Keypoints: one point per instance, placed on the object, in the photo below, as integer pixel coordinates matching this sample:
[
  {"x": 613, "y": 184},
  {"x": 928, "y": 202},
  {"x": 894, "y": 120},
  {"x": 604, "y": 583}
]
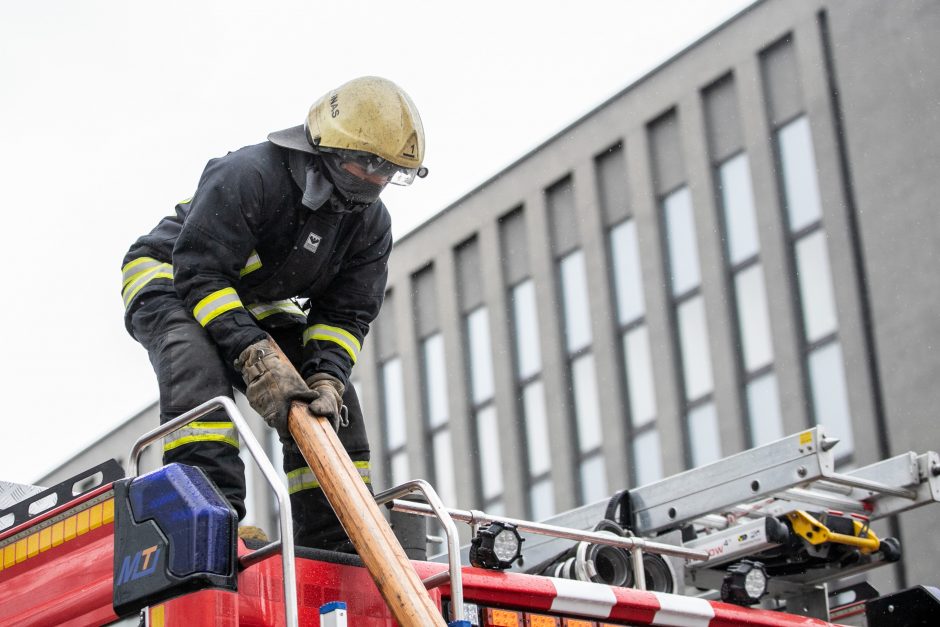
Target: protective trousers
[{"x": 191, "y": 371}]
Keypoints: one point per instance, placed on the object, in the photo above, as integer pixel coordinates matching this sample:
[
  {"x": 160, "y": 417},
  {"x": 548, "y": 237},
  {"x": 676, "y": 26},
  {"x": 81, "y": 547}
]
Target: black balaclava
[{"x": 349, "y": 186}]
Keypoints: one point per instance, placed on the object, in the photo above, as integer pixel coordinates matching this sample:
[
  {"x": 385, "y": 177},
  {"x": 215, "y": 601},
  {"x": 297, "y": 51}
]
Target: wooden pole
[{"x": 370, "y": 533}]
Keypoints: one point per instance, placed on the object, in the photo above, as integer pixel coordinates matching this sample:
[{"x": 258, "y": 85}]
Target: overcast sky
[{"x": 109, "y": 110}]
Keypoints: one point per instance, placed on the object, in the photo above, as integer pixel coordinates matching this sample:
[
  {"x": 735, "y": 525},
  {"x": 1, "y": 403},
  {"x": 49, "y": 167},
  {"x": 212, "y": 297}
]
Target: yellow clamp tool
[{"x": 813, "y": 531}]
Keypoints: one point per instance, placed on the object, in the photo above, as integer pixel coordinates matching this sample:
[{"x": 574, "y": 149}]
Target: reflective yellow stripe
[
  {"x": 141, "y": 271},
  {"x": 202, "y": 432},
  {"x": 133, "y": 268},
  {"x": 334, "y": 334},
  {"x": 216, "y": 304},
  {"x": 262, "y": 310},
  {"x": 304, "y": 479},
  {"x": 253, "y": 263},
  {"x": 48, "y": 535}
]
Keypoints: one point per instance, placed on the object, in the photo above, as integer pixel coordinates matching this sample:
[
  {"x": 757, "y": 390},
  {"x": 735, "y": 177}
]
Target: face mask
[{"x": 348, "y": 185}]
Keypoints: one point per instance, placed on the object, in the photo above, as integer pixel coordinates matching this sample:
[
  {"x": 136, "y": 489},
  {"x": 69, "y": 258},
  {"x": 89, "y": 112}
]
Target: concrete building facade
[{"x": 736, "y": 247}]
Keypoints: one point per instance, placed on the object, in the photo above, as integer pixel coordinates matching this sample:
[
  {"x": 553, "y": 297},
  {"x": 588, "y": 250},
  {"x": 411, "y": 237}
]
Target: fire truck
[{"x": 773, "y": 536}]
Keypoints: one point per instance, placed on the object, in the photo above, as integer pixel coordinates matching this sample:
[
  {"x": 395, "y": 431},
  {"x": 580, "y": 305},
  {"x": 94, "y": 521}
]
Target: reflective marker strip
[
  {"x": 304, "y": 479},
  {"x": 262, "y": 310},
  {"x": 253, "y": 263},
  {"x": 684, "y": 611},
  {"x": 216, "y": 304},
  {"x": 22, "y": 547},
  {"x": 157, "y": 618},
  {"x": 582, "y": 597},
  {"x": 139, "y": 273},
  {"x": 334, "y": 334},
  {"x": 202, "y": 432},
  {"x": 133, "y": 268}
]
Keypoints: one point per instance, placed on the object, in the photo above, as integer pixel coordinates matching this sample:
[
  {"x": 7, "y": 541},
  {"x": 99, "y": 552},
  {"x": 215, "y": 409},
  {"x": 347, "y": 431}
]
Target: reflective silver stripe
[
  {"x": 253, "y": 263},
  {"x": 202, "y": 432},
  {"x": 334, "y": 334},
  {"x": 304, "y": 479},
  {"x": 216, "y": 304},
  {"x": 136, "y": 277},
  {"x": 262, "y": 310},
  {"x": 133, "y": 268}
]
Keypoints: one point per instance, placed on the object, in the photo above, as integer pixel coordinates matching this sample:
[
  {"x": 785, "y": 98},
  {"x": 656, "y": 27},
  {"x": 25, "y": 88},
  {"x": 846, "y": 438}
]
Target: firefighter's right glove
[
  {"x": 329, "y": 399},
  {"x": 272, "y": 384}
]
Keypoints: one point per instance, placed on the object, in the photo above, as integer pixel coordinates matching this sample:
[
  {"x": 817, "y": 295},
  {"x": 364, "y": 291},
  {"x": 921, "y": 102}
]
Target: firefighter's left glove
[
  {"x": 272, "y": 384},
  {"x": 329, "y": 400}
]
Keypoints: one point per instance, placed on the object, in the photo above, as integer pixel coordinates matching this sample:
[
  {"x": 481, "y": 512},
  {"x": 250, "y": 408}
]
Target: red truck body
[{"x": 58, "y": 569}]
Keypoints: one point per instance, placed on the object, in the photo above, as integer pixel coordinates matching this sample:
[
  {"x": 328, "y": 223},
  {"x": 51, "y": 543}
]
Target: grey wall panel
[
  {"x": 782, "y": 82},
  {"x": 722, "y": 122},
  {"x": 513, "y": 246},
  {"x": 611, "y": 176},
  {"x": 885, "y": 66},
  {"x": 469, "y": 279},
  {"x": 563, "y": 216},
  {"x": 666, "y": 153},
  {"x": 425, "y": 302}
]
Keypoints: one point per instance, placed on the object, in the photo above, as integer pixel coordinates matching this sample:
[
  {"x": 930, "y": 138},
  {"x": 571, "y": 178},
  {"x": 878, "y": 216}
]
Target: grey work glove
[
  {"x": 272, "y": 384},
  {"x": 329, "y": 399}
]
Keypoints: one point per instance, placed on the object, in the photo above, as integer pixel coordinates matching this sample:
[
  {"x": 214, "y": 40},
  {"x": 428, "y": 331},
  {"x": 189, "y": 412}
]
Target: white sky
[{"x": 109, "y": 110}]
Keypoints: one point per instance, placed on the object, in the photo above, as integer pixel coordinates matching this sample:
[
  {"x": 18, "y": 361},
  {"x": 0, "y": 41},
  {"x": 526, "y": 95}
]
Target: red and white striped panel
[
  {"x": 597, "y": 601},
  {"x": 657, "y": 608}
]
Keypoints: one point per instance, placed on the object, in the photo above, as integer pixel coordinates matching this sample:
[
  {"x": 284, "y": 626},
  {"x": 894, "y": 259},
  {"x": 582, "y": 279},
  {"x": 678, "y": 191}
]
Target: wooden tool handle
[{"x": 395, "y": 577}]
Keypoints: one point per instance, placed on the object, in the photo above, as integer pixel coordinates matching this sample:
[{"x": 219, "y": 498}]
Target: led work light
[
  {"x": 496, "y": 546},
  {"x": 745, "y": 583}
]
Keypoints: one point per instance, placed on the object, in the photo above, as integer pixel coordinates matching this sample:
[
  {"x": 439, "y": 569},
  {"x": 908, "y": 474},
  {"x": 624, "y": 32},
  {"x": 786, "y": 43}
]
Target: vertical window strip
[
  {"x": 690, "y": 326},
  {"x": 684, "y": 271},
  {"x": 578, "y": 338},
  {"x": 577, "y": 315},
  {"x": 754, "y": 353},
  {"x": 642, "y": 434},
  {"x": 393, "y": 408},
  {"x": 531, "y": 394},
  {"x": 437, "y": 419},
  {"x": 491, "y": 484},
  {"x": 812, "y": 277},
  {"x": 483, "y": 408},
  {"x": 481, "y": 356}
]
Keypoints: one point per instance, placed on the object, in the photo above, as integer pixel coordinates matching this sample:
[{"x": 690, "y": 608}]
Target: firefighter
[{"x": 285, "y": 240}]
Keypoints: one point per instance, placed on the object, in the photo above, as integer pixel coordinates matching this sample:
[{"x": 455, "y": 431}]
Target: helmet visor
[{"x": 375, "y": 167}]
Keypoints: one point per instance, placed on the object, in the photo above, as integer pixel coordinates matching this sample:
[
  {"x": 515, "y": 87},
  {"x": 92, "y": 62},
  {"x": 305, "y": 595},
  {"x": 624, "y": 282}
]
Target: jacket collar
[{"x": 316, "y": 188}]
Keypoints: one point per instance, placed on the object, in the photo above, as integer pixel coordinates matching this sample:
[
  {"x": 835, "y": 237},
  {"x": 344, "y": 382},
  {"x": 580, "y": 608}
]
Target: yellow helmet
[{"x": 367, "y": 117}]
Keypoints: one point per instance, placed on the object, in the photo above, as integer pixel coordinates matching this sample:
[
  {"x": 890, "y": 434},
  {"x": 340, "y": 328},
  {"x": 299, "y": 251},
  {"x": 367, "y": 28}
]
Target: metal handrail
[
  {"x": 436, "y": 508},
  {"x": 257, "y": 452},
  {"x": 636, "y": 545},
  {"x": 474, "y": 517}
]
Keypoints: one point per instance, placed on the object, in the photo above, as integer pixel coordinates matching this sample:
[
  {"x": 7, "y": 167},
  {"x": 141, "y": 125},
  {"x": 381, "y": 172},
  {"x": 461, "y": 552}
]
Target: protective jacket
[{"x": 263, "y": 234}]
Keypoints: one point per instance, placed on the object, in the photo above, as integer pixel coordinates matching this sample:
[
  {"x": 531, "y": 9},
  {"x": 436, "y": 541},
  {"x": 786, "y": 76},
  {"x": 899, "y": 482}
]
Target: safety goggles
[{"x": 376, "y": 166}]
